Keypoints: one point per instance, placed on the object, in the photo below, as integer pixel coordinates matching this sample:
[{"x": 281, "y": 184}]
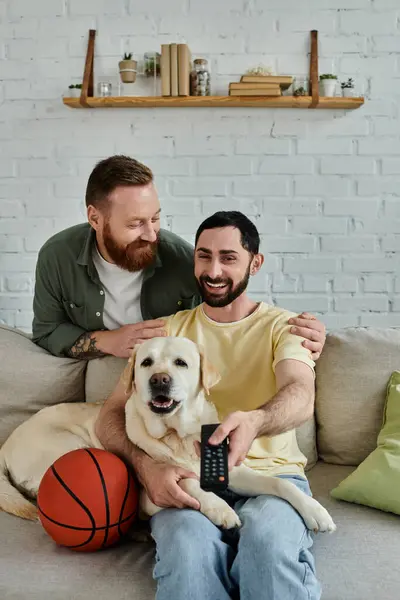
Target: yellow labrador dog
[{"x": 167, "y": 380}]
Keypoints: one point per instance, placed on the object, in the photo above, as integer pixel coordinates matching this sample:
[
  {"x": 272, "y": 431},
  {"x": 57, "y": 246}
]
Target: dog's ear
[
  {"x": 209, "y": 375},
  {"x": 128, "y": 374}
]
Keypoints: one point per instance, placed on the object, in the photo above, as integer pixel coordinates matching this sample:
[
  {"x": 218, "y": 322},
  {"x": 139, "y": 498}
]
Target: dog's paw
[
  {"x": 317, "y": 518},
  {"x": 224, "y": 516}
]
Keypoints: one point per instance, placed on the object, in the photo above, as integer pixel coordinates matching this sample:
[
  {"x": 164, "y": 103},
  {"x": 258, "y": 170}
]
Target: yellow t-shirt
[{"x": 245, "y": 354}]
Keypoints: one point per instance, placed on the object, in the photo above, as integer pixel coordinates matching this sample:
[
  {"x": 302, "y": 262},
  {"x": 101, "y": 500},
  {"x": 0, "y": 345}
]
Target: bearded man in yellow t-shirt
[{"x": 266, "y": 391}]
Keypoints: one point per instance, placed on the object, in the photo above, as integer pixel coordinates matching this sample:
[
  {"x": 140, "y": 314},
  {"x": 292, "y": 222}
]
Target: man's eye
[
  {"x": 134, "y": 225},
  {"x": 147, "y": 362},
  {"x": 229, "y": 258},
  {"x": 180, "y": 362},
  {"x": 203, "y": 256}
]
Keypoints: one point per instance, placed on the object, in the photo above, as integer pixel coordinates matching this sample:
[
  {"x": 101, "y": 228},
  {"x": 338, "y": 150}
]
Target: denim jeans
[{"x": 269, "y": 558}]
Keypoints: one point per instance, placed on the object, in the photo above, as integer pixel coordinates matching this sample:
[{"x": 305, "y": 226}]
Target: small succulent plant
[
  {"x": 327, "y": 76},
  {"x": 127, "y": 56},
  {"x": 349, "y": 84}
]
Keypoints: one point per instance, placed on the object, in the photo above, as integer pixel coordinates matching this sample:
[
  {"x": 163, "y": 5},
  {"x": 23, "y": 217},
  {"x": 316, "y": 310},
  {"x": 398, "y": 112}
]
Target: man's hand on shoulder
[
  {"x": 309, "y": 327},
  {"x": 118, "y": 342}
]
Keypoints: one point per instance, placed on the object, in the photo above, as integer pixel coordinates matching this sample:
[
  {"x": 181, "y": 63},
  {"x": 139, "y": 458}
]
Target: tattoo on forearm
[{"x": 85, "y": 347}]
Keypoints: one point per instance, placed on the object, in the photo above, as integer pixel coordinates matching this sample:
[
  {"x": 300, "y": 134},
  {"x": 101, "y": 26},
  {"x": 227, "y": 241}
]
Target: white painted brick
[
  {"x": 353, "y": 126},
  {"x": 206, "y": 146},
  {"x": 391, "y": 243},
  {"x": 319, "y": 224},
  {"x": 313, "y": 283},
  {"x": 377, "y": 283},
  {"x": 218, "y": 45},
  {"x": 259, "y": 283},
  {"x": 372, "y": 186},
  {"x": 379, "y": 107},
  {"x": 178, "y": 25},
  {"x": 7, "y": 317},
  {"x": 367, "y": 23},
  {"x": 23, "y": 320},
  {"x": 42, "y": 167},
  {"x": 291, "y": 165},
  {"x": 19, "y": 283},
  {"x": 377, "y": 147},
  {"x": 345, "y": 283},
  {"x": 306, "y": 21},
  {"x": 278, "y": 43},
  {"x": 391, "y": 166},
  {"x": 360, "y": 207},
  {"x": 245, "y": 205},
  {"x": 386, "y": 43},
  {"x": 184, "y": 206},
  {"x": 262, "y": 145},
  {"x": 90, "y": 7},
  {"x": 385, "y": 320},
  {"x": 225, "y": 166},
  {"x": 13, "y": 189},
  {"x": 368, "y": 66},
  {"x": 7, "y": 168},
  {"x": 322, "y": 186},
  {"x": 11, "y": 208},
  {"x": 392, "y": 208},
  {"x": 285, "y": 283},
  {"x": 289, "y": 127},
  {"x": 371, "y": 264},
  {"x": 186, "y": 224},
  {"x": 115, "y": 26},
  {"x": 225, "y": 125},
  {"x": 67, "y": 187},
  {"x": 15, "y": 302},
  {"x": 310, "y": 265},
  {"x": 342, "y": 44},
  {"x": 237, "y": 64},
  {"x": 17, "y": 263},
  {"x": 387, "y": 127},
  {"x": 21, "y": 49},
  {"x": 40, "y": 8},
  {"x": 383, "y": 225},
  {"x": 380, "y": 90},
  {"x": 348, "y": 166},
  {"x": 397, "y": 284},
  {"x": 27, "y": 149},
  {"x": 335, "y": 321},
  {"x": 348, "y": 244},
  {"x": 200, "y": 186},
  {"x": 205, "y": 7},
  {"x": 297, "y": 206},
  {"x": 25, "y": 226},
  {"x": 272, "y": 225},
  {"x": 261, "y": 186},
  {"x": 364, "y": 303},
  {"x": 10, "y": 243},
  {"x": 333, "y": 146},
  {"x": 43, "y": 207},
  {"x": 298, "y": 303},
  {"x": 171, "y": 166}
]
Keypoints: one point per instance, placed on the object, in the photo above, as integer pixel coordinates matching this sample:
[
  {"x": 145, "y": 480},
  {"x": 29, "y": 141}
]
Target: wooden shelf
[{"x": 213, "y": 101}]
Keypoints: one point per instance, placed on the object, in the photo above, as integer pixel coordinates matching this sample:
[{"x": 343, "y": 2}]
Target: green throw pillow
[{"x": 376, "y": 482}]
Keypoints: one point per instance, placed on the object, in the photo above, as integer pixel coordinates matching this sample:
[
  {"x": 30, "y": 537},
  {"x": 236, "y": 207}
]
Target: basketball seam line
[
  {"x": 85, "y": 508},
  {"x": 103, "y": 483},
  {"x": 76, "y": 528},
  {"x": 128, "y": 487}
]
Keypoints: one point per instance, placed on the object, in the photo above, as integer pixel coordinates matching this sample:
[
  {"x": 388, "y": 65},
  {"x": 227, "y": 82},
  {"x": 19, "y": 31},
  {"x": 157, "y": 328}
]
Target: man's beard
[
  {"x": 231, "y": 293},
  {"x": 134, "y": 257}
]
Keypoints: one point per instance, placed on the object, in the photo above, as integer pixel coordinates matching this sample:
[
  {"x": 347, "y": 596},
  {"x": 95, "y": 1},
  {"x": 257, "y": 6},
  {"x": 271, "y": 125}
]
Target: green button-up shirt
[{"x": 69, "y": 296}]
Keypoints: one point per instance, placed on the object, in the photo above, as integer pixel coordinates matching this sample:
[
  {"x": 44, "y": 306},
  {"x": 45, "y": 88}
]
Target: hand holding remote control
[{"x": 214, "y": 475}]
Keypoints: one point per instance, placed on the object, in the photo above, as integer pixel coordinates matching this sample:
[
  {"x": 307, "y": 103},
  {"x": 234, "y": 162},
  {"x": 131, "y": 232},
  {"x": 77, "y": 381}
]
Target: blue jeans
[{"x": 269, "y": 558}]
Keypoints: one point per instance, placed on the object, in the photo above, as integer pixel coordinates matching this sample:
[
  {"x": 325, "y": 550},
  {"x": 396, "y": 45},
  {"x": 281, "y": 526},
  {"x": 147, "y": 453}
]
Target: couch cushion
[
  {"x": 360, "y": 560},
  {"x": 376, "y": 481},
  {"x": 31, "y": 378},
  {"x": 32, "y": 567},
  {"x": 102, "y": 376},
  {"x": 351, "y": 379}
]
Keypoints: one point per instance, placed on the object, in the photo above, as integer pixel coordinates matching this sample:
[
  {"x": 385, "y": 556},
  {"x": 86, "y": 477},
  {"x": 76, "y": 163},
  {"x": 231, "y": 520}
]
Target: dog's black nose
[{"x": 160, "y": 379}]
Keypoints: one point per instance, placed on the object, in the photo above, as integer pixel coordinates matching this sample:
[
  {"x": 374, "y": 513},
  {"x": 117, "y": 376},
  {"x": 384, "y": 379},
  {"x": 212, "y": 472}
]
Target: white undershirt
[{"x": 121, "y": 293}]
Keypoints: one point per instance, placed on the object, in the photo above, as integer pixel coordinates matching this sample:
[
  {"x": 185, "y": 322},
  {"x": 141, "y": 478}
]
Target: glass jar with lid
[{"x": 200, "y": 78}]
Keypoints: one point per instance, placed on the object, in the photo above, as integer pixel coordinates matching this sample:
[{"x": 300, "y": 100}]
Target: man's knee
[{"x": 183, "y": 529}]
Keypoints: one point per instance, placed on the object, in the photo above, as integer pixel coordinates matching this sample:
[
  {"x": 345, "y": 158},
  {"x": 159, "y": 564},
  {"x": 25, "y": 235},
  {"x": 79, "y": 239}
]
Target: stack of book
[
  {"x": 175, "y": 70},
  {"x": 260, "y": 85}
]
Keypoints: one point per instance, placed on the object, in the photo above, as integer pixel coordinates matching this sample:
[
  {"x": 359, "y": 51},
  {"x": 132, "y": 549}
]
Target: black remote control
[{"x": 214, "y": 462}]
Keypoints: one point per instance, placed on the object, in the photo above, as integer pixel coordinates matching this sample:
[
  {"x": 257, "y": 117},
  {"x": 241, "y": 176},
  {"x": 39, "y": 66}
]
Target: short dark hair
[
  {"x": 250, "y": 238},
  {"x": 112, "y": 172}
]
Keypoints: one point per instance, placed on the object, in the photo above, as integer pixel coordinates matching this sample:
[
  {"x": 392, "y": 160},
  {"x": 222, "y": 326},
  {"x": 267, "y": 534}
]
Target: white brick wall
[{"x": 322, "y": 186}]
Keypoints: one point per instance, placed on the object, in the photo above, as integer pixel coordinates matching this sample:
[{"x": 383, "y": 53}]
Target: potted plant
[
  {"x": 74, "y": 90},
  {"x": 128, "y": 68},
  {"x": 328, "y": 84},
  {"x": 347, "y": 88}
]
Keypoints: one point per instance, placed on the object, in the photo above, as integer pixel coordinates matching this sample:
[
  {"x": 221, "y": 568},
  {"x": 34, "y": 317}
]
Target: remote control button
[{"x": 221, "y": 478}]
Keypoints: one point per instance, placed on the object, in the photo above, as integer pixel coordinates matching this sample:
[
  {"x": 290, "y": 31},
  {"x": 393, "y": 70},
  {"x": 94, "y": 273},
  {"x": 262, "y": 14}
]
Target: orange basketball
[{"x": 87, "y": 500}]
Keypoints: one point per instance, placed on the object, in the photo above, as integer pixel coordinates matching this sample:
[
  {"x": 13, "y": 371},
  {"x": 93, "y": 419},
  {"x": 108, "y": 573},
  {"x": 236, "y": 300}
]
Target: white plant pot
[
  {"x": 348, "y": 92},
  {"x": 73, "y": 93},
  {"x": 328, "y": 87}
]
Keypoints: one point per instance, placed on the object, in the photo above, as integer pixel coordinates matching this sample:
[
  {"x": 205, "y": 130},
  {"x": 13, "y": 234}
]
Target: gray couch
[{"x": 358, "y": 562}]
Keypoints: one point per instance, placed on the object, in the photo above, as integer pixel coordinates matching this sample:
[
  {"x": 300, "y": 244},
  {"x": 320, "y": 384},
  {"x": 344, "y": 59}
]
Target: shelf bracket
[
  {"x": 87, "y": 84},
  {"x": 314, "y": 70}
]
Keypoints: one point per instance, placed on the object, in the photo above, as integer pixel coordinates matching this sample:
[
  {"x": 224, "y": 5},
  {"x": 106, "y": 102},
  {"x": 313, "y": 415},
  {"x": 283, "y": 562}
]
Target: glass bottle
[{"x": 200, "y": 79}]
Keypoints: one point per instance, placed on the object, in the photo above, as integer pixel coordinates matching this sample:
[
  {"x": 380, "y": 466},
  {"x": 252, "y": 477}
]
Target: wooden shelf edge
[{"x": 213, "y": 101}]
